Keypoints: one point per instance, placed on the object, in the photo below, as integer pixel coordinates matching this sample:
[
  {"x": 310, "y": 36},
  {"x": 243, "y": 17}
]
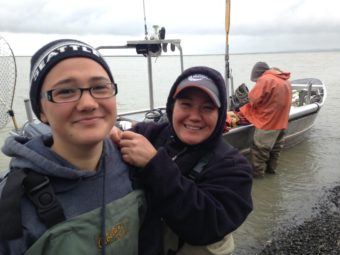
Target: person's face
[
  {"x": 86, "y": 121},
  {"x": 194, "y": 116}
]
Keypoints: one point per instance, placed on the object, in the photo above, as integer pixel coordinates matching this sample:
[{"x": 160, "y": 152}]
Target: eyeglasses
[{"x": 67, "y": 95}]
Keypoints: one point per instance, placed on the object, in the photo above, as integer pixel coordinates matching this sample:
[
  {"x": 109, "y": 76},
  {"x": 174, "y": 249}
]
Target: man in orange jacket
[{"x": 268, "y": 109}]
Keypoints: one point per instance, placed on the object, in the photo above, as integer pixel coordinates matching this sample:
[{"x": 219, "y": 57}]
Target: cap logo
[
  {"x": 198, "y": 77},
  {"x": 52, "y": 53}
]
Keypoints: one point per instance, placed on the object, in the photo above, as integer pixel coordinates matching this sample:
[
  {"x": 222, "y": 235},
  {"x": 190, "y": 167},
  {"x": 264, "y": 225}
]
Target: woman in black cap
[{"x": 194, "y": 181}]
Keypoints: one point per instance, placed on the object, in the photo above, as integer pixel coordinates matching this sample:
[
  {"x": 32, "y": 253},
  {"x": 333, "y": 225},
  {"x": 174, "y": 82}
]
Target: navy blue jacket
[{"x": 200, "y": 211}]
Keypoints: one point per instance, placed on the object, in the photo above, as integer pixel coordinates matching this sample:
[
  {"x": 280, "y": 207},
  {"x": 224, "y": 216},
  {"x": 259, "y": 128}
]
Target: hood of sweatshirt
[
  {"x": 35, "y": 154},
  {"x": 280, "y": 74}
]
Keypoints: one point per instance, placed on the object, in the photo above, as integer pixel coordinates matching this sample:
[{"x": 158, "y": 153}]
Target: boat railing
[
  {"x": 309, "y": 91},
  {"x": 297, "y": 112},
  {"x": 307, "y": 85}
]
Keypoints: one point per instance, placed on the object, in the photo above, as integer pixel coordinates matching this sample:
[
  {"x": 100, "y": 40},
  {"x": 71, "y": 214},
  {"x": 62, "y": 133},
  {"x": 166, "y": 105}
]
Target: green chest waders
[{"x": 82, "y": 234}]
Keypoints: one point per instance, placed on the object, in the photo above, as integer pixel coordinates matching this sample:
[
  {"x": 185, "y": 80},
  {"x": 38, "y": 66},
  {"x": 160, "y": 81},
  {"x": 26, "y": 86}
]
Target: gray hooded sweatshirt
[{"x": 77, "y": 191}]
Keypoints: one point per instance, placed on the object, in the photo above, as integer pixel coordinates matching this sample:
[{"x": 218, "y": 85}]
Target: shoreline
[{"x": 318, "y": 235}]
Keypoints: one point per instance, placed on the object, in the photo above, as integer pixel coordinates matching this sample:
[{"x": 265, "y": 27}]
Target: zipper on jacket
[{"x": 179, "y": 153}]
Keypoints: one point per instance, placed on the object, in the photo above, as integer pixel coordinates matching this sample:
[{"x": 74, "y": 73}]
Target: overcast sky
[{"x": 256, "y": 25}]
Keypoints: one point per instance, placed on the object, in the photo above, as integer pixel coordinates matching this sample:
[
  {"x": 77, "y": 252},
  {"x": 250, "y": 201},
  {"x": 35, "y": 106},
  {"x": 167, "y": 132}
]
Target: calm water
[{"x": 304, "y": 171}]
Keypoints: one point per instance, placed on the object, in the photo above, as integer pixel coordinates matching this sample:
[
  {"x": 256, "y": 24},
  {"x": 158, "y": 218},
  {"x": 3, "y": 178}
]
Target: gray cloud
[
  {"x": 66, "y": 17},
  {"x": 281, "y": 24}
]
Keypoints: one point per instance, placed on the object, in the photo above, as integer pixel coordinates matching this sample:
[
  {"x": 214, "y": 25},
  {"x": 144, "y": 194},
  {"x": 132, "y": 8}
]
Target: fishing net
[{"x": 8, "y": 74}]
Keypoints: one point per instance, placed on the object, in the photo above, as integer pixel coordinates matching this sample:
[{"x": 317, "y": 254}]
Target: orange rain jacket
[{"x": 269, "y": 101}]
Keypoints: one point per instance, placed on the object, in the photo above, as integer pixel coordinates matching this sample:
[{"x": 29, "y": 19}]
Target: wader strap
[
  {"x": 41, "y": 193},
  {"x": 197, "y": 169},
  {"x": 10, "y": 206},
  {"x": 134, "y": 177}
]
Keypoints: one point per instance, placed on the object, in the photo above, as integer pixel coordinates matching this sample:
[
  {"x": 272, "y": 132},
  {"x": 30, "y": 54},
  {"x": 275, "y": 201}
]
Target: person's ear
[{"x": 43, "y": 118}]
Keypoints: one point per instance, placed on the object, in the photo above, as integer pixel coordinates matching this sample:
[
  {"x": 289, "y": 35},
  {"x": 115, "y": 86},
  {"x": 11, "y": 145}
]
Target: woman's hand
[
  {"x": 135, "y": 148},
  {"x": 115, "y": 135}
]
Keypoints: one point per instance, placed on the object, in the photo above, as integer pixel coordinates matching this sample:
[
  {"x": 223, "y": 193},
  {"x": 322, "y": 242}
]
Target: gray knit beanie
[
  {"x": 258, "y": 69},
  {"x": 50, "y": 55}
]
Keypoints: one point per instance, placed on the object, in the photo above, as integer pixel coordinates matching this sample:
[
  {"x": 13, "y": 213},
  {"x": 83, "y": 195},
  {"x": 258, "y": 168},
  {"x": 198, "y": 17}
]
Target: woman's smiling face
[{"x": 194, "y": 116}]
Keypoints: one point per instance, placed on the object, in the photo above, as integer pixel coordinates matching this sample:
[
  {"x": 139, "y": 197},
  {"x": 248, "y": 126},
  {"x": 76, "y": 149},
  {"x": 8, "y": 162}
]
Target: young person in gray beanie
[
  {"x": 69, "y": 192},
  {"x": 268, "y": 110},
  {"x": 195, "y": 183}
]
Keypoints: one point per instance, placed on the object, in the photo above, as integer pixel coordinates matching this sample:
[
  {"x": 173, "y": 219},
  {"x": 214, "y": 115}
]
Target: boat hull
[{"x": 298, "y": 129}]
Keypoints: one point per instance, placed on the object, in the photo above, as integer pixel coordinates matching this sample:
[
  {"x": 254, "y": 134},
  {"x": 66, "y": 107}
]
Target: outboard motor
[
  {"x": 240, "y": 97},
  {"x": 156, "y": 115}
]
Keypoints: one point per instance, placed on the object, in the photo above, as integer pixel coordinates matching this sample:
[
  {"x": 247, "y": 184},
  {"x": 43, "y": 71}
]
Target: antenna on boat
[{"x": 145, "y": 26}]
